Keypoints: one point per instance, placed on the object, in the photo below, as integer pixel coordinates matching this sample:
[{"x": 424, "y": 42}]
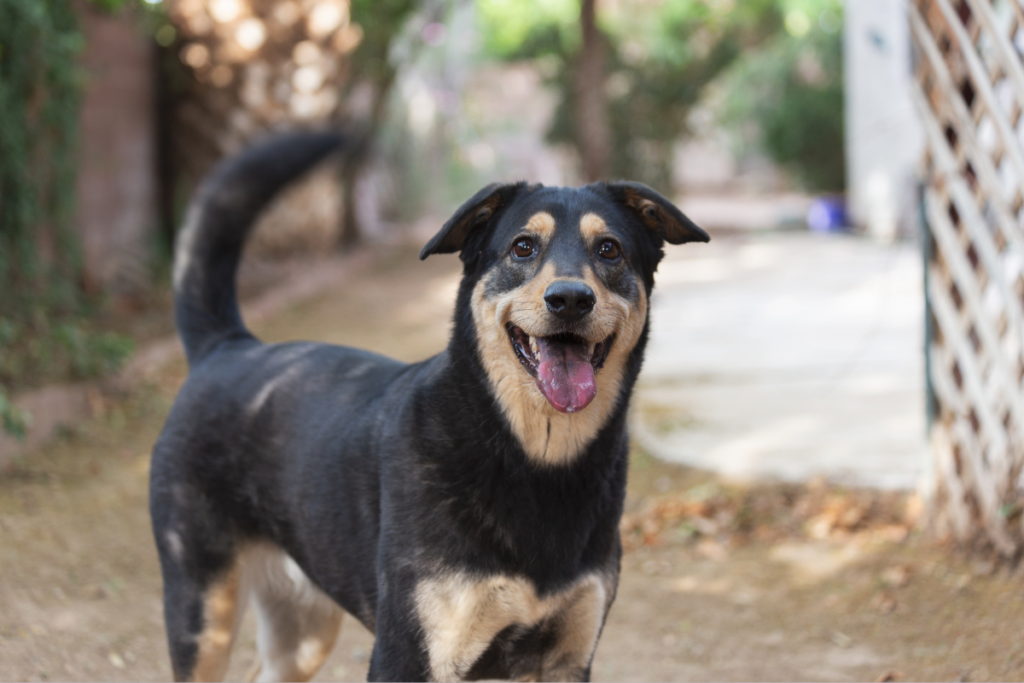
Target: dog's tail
[{"x": 220, "y": 216}]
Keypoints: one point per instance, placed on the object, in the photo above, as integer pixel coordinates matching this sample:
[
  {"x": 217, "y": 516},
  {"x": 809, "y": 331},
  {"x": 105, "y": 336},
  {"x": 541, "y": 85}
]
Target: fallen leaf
[
  {"x": 841, "y": 639},
  {"x": 898, "y": 576},
  {"x": 883, "y": 602},
  {"x": 712, "y": 550}
]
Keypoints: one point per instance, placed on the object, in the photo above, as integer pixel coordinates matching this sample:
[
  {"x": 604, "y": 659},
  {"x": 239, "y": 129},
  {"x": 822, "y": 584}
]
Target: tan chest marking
[
  {"x": 461, "y": 615},
  {"x": 547, "y": 435}
]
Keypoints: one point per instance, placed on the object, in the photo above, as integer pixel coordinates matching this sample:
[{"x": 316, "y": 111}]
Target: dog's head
[{"x": 559, "y": 281}]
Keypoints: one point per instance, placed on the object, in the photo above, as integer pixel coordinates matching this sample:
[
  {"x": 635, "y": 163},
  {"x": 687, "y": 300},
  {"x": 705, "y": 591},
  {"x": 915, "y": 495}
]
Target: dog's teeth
[
  {"x": 533, "y": 345},
  {"x": 590, "y": 347}
]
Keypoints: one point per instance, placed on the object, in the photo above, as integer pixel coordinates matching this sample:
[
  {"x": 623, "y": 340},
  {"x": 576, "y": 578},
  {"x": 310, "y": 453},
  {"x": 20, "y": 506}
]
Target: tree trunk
[
  {"x": 591, "y": 110},
  {"x": 351, "y": 235}
]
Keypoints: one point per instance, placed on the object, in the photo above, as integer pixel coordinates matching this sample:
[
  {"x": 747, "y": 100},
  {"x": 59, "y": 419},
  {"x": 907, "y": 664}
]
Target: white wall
[{"x": 884, "y": 140}]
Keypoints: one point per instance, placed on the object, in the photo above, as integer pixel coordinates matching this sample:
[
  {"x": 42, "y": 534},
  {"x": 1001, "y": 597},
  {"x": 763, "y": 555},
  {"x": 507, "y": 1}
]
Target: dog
[{"x": 465, "y": 509}]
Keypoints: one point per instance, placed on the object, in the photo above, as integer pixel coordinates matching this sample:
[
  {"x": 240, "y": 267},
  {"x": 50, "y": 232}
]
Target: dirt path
[{"x": 720, "y": 583}]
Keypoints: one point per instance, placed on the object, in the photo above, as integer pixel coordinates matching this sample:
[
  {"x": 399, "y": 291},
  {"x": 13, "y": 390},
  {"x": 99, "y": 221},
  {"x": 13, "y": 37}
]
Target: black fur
[{"x": 373, "y": 474}]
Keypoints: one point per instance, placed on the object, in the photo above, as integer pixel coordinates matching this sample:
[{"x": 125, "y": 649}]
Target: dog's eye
[
  {"x": 608, "y": 250},
  {"x": 522, "y": 248}
]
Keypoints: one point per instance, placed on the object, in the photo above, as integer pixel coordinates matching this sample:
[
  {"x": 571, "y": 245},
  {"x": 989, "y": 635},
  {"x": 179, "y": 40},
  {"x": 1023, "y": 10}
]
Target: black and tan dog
[{"x": 465, "y": 509}]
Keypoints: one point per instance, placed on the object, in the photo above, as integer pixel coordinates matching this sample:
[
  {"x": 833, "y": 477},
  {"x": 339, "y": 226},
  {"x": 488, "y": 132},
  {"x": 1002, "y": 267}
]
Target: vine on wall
[
  {"x": 44, "y": 329},
  {"x": 39, "y": 96}
]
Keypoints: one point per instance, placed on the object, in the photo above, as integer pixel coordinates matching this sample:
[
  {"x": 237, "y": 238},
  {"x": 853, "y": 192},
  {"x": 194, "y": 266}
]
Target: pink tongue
[{"x": 565, "y": 375}]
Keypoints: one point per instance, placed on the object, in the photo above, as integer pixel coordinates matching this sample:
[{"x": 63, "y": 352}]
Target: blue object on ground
[{"x": 828, "y": 214}]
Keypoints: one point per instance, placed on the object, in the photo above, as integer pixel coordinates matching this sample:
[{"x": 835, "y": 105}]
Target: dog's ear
[
  {"x": 478, "y": 211},
  {"x": 657, "y": 213}
]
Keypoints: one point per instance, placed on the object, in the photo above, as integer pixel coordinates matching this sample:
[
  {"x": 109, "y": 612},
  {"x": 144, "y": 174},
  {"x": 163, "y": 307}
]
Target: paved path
[{"x": 788, "y": 355}]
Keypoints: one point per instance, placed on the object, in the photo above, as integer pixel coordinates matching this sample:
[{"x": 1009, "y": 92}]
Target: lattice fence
[{"x": 969, "y": 62}]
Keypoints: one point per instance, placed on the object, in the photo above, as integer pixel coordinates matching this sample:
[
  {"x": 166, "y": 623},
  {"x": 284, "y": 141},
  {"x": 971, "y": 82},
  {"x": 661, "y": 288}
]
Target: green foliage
[
  {"x": 90, "y": 354},
  {"x": 380, "y": 20},
  {"x": 517, "y": 28},
  {"x": 42, "y": 333},
  {"x": 12, "y": 420},
  {"x": 681, "y": 33},
  {"x": 39, "y": 94},
  {"x": 689, "y": 45},
  {"x": 64, "y": 348},
  {"x": 110, "y": 5},
  {"x": 787, "y": 97},
  {"x": 776, "y": 64},
  {"x": 660, "y": 57}
]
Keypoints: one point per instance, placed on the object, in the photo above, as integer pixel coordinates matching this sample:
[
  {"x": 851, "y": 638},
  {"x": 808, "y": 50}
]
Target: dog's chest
[{"x": 461, "y": 615}]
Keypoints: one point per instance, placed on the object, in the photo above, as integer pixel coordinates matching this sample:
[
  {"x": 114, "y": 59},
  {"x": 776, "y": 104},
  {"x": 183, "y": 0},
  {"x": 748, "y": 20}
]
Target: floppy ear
[
  {"x": 473, "y": 214},
  {"x": 656, "y": 212}
]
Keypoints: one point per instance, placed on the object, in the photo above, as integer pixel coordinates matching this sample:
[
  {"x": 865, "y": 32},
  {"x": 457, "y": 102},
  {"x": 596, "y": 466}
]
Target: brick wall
[{"x": 117, "y": 183}]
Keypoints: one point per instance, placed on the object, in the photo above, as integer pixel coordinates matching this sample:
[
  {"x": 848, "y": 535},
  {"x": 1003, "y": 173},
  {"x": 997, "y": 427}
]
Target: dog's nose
[{"x": 569, "y": 300}]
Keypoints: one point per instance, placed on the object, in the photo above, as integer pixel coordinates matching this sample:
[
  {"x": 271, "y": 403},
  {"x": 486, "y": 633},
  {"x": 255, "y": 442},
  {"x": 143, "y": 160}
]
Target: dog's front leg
[
  {"x": 398, "y": 653},
  {"x": 440, "y": 643},
  {"x": 579, "y": 626}
]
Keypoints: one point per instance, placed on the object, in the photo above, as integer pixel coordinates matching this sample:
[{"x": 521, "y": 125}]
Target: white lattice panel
[{"x": 970, "y": 76}]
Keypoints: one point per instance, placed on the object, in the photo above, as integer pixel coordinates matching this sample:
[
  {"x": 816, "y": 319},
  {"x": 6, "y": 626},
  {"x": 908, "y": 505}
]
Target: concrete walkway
[{"x": 788, "y": 356}]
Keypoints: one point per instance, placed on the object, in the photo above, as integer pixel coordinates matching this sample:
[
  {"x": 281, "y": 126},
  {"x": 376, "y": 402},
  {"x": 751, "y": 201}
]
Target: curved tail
[{"x": 220, "y": 216}]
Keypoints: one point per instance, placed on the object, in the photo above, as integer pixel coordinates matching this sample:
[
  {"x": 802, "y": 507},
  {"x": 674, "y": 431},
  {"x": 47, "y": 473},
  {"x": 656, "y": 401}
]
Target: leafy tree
[
  {"x": 786, "y": 97},
  {"x": 381, "y": 21},
  {"x": 659, "y": 59}
]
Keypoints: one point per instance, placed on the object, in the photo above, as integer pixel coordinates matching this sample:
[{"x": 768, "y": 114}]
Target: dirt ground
[{"x": 719, "y": 582}]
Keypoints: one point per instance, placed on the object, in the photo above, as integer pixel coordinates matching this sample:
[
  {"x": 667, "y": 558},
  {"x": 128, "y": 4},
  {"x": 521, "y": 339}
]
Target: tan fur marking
[
  {"x": 650, "y": 212},
  {"x": 547, "y": 435},
  {"x": 593, "y": 227},
  {"x": 315, "y": 640},
  {"x": 542, "y": 224},
  {"x": 298, "y": 623},
  {"x": 461, "y": 615},
  {"x": 220, "y": 622},
  {"x": 581, "y": 625}
]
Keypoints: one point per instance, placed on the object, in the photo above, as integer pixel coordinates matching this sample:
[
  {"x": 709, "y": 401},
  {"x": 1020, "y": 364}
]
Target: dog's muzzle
[{"x": 563, "y": 364}]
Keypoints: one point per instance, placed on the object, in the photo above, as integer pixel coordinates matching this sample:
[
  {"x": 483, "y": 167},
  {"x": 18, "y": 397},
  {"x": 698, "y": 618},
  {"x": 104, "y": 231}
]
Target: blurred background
[
  {"x": 115, "y": 109},
  {"x": 829, "y": 428}
]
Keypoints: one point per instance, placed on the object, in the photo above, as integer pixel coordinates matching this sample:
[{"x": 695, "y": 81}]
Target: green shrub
[
  {"x": 13, "y": 420},
  {"x": 91, "y": 354},
  {"x": 39, "y": 98},
  {"x": 44, "y": 330},
  {"x": 786, "y": 98},
  {"x": 660, "y": 57}
]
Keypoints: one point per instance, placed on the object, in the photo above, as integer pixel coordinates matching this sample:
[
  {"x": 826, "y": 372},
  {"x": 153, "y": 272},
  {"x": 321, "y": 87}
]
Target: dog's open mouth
[{"x": 563, "y": 364}]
